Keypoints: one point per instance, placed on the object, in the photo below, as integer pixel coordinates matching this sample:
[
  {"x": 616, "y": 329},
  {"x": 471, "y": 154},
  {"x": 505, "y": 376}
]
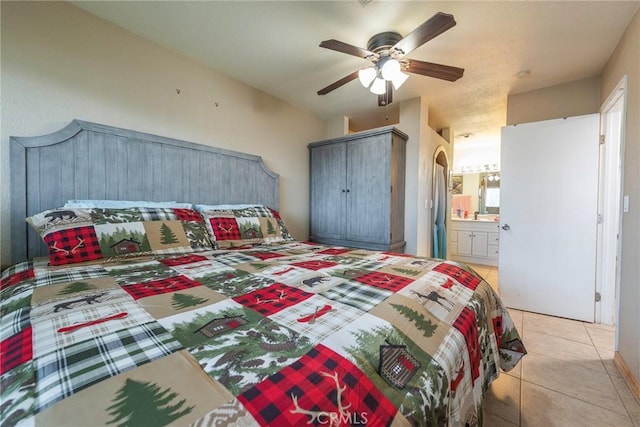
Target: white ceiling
[{"x": 273, "y": 46}]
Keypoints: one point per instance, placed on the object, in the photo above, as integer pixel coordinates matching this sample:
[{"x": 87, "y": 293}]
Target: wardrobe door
[
  {"x": 369, "y": 189},
  {"x": 328, "y": 191}
]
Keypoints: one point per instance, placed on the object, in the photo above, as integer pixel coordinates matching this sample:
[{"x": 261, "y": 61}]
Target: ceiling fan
[{"x": 387, "y": 53}]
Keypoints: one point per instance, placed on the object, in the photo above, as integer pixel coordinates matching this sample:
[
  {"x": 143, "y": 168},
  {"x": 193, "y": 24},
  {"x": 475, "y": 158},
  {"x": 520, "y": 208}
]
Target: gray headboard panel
[{"x": 92, "y": 161}]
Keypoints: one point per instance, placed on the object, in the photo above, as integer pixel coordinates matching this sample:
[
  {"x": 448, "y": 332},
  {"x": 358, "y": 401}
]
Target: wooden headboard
[{"x": 92, "y": 161}]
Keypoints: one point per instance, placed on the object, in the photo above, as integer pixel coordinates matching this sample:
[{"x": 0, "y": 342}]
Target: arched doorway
[{"x": 440, "y": 198}]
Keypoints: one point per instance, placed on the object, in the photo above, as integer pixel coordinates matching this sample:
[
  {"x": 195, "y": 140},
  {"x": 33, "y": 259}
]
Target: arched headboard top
[{"x": 86, "y": 160}]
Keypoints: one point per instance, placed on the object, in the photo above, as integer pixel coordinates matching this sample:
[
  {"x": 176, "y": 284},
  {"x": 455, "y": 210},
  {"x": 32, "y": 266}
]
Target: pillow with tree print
[
  {"x": 87, "y": 234},
  {"x": 246, "y": 225}
]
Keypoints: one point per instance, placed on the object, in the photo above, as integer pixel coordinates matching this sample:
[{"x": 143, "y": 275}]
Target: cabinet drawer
[
  {"x": 494, "y": 238},
  {"x": 493, "y": 251}
]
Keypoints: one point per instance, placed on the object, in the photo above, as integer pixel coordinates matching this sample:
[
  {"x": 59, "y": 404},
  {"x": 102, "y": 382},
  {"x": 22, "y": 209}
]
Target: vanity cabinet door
[
  {"x": 465, "y": 242},
  {"x": 472, "y": 243},
  {"x": 479, "y": 244}
]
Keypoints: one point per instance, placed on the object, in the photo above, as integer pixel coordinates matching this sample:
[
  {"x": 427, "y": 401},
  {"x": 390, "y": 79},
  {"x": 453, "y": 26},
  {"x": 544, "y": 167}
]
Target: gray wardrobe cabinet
[{"x": 357, "y": 190}]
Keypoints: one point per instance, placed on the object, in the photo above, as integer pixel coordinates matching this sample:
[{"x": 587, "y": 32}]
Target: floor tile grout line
[
  {"x": 624, "y": 405},
  {"x": 522, "y": 380},
  {"x": 573, "y": 397},
  {"x": 565, "y": 338},
  {"x": 577, "y": 398},
  {"x": 502, "y": 418},
  {"x": 615, "y": 387},
  {"x": 599, "y": 359}
]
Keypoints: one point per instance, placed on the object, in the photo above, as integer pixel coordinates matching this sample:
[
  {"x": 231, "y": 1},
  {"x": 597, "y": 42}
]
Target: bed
[{"x": 206, "y": 311}]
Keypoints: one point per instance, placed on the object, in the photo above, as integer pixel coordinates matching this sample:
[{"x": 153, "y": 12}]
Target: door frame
[{"x": 611, "y": 172}]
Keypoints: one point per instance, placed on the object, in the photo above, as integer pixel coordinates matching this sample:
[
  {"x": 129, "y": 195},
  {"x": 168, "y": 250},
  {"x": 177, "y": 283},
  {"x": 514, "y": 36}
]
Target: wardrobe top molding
[{"x": 364, "y": 134}]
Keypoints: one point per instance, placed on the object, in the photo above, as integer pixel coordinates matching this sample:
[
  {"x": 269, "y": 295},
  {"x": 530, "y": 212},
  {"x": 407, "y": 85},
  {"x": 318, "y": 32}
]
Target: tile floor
[{"x": 567, "y": 379}]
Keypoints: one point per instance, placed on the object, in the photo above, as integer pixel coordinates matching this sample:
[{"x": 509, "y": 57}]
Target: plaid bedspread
[{"x": 281, "y": 335}]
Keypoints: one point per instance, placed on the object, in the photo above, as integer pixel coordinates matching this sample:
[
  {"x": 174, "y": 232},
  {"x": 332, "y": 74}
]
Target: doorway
[
  {"x": 440, "y": 196},
  {"x": 602, "y": 183}
]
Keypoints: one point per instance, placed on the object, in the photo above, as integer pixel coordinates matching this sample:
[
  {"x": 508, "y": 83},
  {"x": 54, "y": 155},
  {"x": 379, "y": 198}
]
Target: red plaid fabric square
[
  {"x": 334, "y": 251},
  {"x": 73, "y": 245},
  {"x": 16, "y": 278},
  {"x": 387, "y": 281},
  {"x": 15, "y": 350},
  {"x": 225, "y": 228},
  {"x": 468, "y": 327},
  {"x": 187, "y": 259},
  {"x": 187, "y": 215},
  {"x": 158, "y": 287},
  {"x": 275, "y": 213},
  {"x": 264, "y": 255},
  {"x": 315, "y": 265},
  {"x": 462, "y": 276},
  {"x": 322, "y": 384},
  {"x": 272, "y": 299}
]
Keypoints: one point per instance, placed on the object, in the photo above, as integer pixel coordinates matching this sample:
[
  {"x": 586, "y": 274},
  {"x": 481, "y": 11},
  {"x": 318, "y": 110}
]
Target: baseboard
[{"x": 632, "y": 381}]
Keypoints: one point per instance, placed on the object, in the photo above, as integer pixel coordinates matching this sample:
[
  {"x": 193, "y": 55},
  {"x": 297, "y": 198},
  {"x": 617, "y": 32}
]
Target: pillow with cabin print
[
  {"x": 236, "y": 226},
  {"x": 76, "y": 235}
]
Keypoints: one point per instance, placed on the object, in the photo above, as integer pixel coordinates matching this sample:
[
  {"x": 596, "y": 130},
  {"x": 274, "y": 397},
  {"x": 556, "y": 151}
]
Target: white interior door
[{"x": 548, "y": 216}]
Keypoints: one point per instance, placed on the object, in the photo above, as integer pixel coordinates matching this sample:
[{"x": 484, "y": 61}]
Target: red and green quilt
[{"x": 282, "y": 335}]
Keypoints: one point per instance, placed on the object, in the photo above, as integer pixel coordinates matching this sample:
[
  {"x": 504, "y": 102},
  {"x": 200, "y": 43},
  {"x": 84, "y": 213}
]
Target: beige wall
[
  {"x": 421, "y": 146},
  {"x": 61, "y": 63},
  {"x": 565, "y": 100},
  {"x": 626, "y": 61}
]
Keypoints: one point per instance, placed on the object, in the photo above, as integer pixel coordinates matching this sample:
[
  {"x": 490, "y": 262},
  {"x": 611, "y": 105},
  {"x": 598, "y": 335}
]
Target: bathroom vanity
[
  {"x": 473, "y": 235},
  {"x": 474, "y": 241}
]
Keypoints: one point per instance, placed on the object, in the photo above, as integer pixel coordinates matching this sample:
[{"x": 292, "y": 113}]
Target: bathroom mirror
[{"x": 475, "y": 192}]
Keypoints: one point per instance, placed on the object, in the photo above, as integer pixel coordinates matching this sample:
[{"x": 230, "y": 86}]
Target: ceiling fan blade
[
  {"x": 429, "y": 69},
  {"x": 346, "y": 48},
  {"x": 336, "y": 85},
  {"x": 433, "y": 27}
]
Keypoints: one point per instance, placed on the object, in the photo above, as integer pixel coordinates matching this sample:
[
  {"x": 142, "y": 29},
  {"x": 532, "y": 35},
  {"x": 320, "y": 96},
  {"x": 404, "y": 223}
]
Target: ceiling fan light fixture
[
  {"x": 390, "y": 69},
  {"x": 366, "y": 76},
  {"x": 379, "y": 86},
  {"x": 399, "y": 79}
]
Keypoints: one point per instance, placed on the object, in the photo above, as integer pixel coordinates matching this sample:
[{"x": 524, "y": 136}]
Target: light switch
[{"x": 625, "y": 204}]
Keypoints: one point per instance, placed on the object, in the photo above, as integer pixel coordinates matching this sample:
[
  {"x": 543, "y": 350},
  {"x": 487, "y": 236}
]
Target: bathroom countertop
[{"x": 474, "y": 220}]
